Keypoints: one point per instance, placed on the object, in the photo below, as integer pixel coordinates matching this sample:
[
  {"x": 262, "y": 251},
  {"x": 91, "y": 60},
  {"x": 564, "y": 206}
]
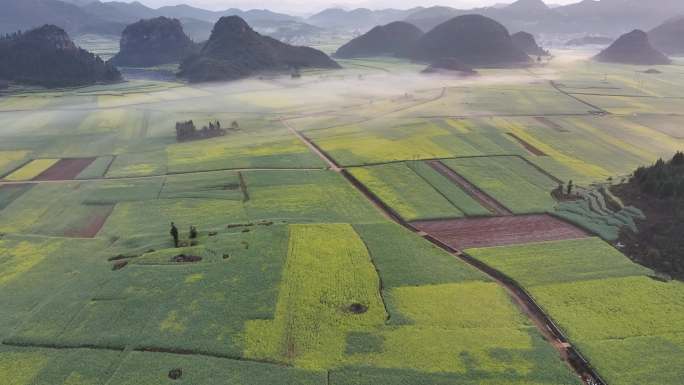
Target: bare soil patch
[
  {"x": 65, "y": 169},
  {"x": 530, "y": 148},
  {"x": 463, "y": 234},
  {"x": 357, "y": 308},
  {"x": 93, "y": 224}
]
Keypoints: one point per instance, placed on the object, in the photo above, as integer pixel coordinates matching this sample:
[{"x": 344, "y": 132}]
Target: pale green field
[
  {"x": 627, "y": 323},
  {"x": 287, "y": 246}
]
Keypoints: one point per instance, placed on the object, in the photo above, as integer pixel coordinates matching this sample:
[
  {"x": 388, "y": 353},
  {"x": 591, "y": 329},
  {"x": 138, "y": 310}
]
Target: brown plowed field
[
  {"x": 463, "y": 234},
  {"x": 92, "y": 225},
  {"x": 65, "y": 169}
]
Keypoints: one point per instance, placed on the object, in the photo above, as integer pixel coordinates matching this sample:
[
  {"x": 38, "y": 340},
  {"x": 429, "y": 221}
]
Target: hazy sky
[{"x": 317, "y": 5}]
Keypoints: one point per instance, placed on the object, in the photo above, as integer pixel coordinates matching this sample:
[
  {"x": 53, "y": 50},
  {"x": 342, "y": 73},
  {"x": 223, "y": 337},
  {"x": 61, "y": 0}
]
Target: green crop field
[
  {"x": 402, "y": 189},
  {"x": 510, "y": 180},
  {"x": 627, "y": 323},
  {"x": 395, "y": 139},
  {"x": 296, "y": 275}
]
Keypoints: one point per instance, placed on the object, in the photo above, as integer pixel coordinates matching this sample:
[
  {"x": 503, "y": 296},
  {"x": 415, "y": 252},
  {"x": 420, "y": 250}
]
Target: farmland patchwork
[{"x": 366, "y": 226}]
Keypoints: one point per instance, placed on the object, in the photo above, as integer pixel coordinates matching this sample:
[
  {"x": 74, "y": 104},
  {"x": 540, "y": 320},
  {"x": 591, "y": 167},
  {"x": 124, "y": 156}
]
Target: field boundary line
[
  {"x": 372, "y": 164},
  {"x": 109, "y": 166},
  {"x": 62, "y": 347},
  {"x": 535, "y": 312},
  {"x": 541, "y": 170},
  {"x": 537, "y": 316},
  {"x": 377, "y": 271},
  {"x": 161, "y": 175},
  {"x": 521, "y": 157},
  {"x": 486, "y": 200},
  {"x": 381, "y": 115},
  {"x": 593, "y": 107},
  {"x": 628, "y": 96},
  {"x": 243, "y": 187},
  {"x": 115, "y": 366},
  {"x": 386, "y": 210},
  {"x": 184, "y": 352},
  {"x": 410, "y": 165},
  {"x": 12, "y": 171},
  {"x": 533, "y": 150},
  {"x": 161, "y": 188},
  {"x": 332, "y": 165},
  {"x": 146, "y": 349}
]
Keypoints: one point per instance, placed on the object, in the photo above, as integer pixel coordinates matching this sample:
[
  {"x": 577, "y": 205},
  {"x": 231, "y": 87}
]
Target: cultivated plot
[
  {"x": 512, "y": 181},
  {"x": 510, "y": 230},
  {"x": 628, "y": 324},
  {"x": 411, "y": 196},
  {"x": 294, "y": 276}
]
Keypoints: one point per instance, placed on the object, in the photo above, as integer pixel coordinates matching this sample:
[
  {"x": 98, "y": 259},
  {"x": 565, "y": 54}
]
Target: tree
[{"x": 667, "y": 189}]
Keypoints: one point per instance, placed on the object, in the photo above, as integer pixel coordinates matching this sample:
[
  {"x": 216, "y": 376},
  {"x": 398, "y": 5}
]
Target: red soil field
[
  {"x": 65, "y": 169},
  {"x": 533, "y": 150},
  {"x": 463, "y": 234},
  {"x": 92, "y": 225}
]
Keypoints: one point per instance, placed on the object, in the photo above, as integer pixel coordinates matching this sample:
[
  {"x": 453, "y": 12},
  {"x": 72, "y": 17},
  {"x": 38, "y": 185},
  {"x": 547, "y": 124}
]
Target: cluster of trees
[
  {"x": 11, "y": 36},
  {"x": 658, "y": 191},
  {"x": 187, "y": 131},
  {"x": 664, "y": 180}
]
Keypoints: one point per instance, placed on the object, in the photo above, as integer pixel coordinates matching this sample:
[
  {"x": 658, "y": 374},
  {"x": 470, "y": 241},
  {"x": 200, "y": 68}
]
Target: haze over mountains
[
  {"x": 110, "y": 18},
  {"x": 633, "y": 48},
  {"x": 47, "y": 56},
  {"x": 668, "y": 37},
  {"x": 607, "y": 17},
  {"x": 153, "y": 42},
  {"x": 393, "y": 39},
  {"x": 235, "y": 50},
  {"x": 481, "y": 42}
]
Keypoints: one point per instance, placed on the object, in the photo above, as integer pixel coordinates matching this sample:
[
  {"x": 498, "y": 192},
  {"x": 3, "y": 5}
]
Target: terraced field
[{"x": 310, "y": 265}]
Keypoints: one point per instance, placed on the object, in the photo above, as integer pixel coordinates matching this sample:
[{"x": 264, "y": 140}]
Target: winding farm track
[{"x": 546, "y": 326}]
